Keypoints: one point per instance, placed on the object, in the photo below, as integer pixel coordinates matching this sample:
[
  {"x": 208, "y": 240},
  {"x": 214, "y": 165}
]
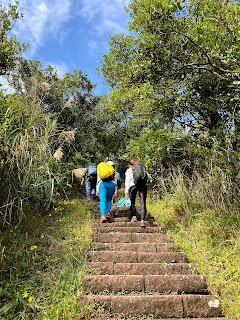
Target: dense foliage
[
  {"x": 174, "y": 105},
  {"x": 175, "y": 87},
  {"x": 181, "y": 65},
  {"x": 175, "y": 79},
  {"x": 47, "y": 128},
  {"x": 10, "y": 48}
]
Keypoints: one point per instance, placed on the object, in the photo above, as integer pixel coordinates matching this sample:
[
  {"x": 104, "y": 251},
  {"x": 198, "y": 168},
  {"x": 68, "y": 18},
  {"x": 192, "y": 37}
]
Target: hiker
[
  {"x": 119, "y": 184},
  {"x": 90, "y": 178},
  {"x": 106, "y": 189},
  {"x": 136, "y": 178}
]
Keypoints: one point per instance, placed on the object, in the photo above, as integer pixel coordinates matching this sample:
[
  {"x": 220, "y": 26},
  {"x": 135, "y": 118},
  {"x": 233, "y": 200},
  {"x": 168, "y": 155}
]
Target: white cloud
[
  {"x": 42, "y": 19},
  {"x": 5, "y": 86},
  {"x": 47, "y": 19},
  {"x": 61, "y": 67},
  {"x": 103, "y": 16},
  {"x": 79, "y": 25},
  {"x": 107, "y": 15}
]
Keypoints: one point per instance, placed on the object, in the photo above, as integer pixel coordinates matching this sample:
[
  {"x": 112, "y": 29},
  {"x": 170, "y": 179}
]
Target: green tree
[
  {"x": 10, "y": 49},
  {"x": 181, "y": 64}
]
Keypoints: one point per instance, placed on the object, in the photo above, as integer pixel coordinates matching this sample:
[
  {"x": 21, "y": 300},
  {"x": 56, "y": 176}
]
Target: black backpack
[{"x": 139, "y": 175}]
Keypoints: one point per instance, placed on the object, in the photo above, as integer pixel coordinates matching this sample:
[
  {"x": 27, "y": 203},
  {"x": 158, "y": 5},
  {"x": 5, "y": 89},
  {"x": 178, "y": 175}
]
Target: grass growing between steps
[
  {"x": 43, "y": 263},
  {"x": 209, "y": 243}
]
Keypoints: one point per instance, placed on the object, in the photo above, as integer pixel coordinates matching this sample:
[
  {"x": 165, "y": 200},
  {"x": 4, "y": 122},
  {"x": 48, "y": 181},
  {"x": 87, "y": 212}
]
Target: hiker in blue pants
[
  {"x": 107, "y": 191},
  {"x": 117, "y": 176},
  {"x": 91, "y": 180}
]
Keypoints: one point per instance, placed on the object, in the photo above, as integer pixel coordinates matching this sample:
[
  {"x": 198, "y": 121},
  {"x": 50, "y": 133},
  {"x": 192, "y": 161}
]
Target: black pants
[{"x": 143, "y": 195}]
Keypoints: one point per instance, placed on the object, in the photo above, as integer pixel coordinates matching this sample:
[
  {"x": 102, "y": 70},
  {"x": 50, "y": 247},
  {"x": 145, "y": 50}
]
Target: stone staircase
[{"x": 140, "y": 272}]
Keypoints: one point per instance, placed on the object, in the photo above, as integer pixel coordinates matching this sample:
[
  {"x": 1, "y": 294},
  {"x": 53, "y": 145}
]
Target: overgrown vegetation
[
  {"x": 26, "y": 158},
  {"x": 43, "y": 263},
  {"x": 174, "y": 105},
  {"x": 202, "y": 214}
]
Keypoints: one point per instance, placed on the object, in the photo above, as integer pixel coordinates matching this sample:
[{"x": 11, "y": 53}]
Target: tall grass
[
  {"x": 211, "y": 190},
  {"x": 202, "y": 213},
  {"x": 26, "y": 135}
]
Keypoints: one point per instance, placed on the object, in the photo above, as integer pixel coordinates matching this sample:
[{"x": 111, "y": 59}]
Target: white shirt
[{"x": 129, "y": 179}]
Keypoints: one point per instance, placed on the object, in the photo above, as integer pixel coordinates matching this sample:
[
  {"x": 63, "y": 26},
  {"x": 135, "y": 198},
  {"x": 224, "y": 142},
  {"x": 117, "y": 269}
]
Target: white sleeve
[
  {"x": 98, "y": 183},
  {"x": 127, "y": 181},
  {"x": 115, "y": 181},
  {"x": 148, "y": 176}
]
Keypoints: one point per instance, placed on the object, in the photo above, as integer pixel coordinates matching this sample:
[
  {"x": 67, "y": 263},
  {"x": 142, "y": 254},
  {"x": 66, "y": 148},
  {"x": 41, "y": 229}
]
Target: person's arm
[
  {"x": 84, "y": 178},
  {"x": 127, "y": 183},
  {"x": 115, "y": 193},
  {"x": 97, "y": 186},
  {"x": 148, "y": 176},
  {"x": 82, "y": 183}
]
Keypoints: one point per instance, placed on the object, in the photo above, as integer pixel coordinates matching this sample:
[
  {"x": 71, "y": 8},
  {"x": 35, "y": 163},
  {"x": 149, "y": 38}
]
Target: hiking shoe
[
  {"x": 143, "y": 224},
  {"x": 103, "y": 219},
  {"x": 134, "y": 219},
  {"x": 108, "y": 215}
]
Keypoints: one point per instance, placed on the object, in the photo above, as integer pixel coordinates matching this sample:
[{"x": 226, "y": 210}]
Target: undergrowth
[
  {"x": 43, "y": 263},
  {"x": 209, "y": 236}
]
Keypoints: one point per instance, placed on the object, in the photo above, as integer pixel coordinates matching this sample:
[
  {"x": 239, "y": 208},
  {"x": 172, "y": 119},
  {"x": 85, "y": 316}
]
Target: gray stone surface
[
  {"x": 159, "y": 306},
  {"x": 145, "y": 265},
  {"x": 113, "y": 256},
  {"x": 176, "y": 283},
  {"x": 153, "y": 268},
  {"x": 160, "y": 257},
  {"x": 204, "y": 306},
  {"x": 113, "y": 283}
]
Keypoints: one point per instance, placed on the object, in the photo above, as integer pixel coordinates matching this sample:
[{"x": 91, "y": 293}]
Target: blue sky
[{"x": 70, "y": 34}]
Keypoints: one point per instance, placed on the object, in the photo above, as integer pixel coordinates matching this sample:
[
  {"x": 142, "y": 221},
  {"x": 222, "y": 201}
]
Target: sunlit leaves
[
  {"x": 10, "y": 48},
  {"x": 187, "y": 52}
]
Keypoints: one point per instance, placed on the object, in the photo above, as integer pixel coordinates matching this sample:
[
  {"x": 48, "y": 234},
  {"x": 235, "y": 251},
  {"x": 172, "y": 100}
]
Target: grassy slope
[
  {"x": 43, "y": 264},
  {"x": 46, "y": 259},
  {"x": 200, "y": 236}
]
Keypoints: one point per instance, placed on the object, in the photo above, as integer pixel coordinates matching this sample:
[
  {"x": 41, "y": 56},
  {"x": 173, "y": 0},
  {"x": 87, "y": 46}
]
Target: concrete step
[
  {"x": 112, "y": 220},
  {"x": 132, "y": 259},
  {"x": 116, "y": 237},
  {"x": 138, "y": 247},
  {"x": 137, "y": 229},
  {"x": 148, "y": 283},
  {"x": 123, "y": 212},
  {"x": 110, "y": 318},
  {"x": 162, "y": 306},
  {"x": 142, "y": 268},
  {"x": 137, "y": 257},
  {"x": 96, "y": 224}
]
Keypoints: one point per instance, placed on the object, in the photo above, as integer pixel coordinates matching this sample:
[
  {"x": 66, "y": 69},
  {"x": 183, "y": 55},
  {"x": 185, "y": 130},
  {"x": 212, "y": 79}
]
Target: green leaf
[{"x": 8, "y": 306}]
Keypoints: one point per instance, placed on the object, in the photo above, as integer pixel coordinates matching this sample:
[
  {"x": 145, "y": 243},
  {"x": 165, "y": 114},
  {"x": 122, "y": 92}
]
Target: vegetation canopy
[{"x": 174, "y": 106}]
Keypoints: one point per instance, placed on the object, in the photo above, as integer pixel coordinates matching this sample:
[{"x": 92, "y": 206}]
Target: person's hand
[
  {"x": 114, "y": 196},
  {"x": 126, "y": 196}
]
